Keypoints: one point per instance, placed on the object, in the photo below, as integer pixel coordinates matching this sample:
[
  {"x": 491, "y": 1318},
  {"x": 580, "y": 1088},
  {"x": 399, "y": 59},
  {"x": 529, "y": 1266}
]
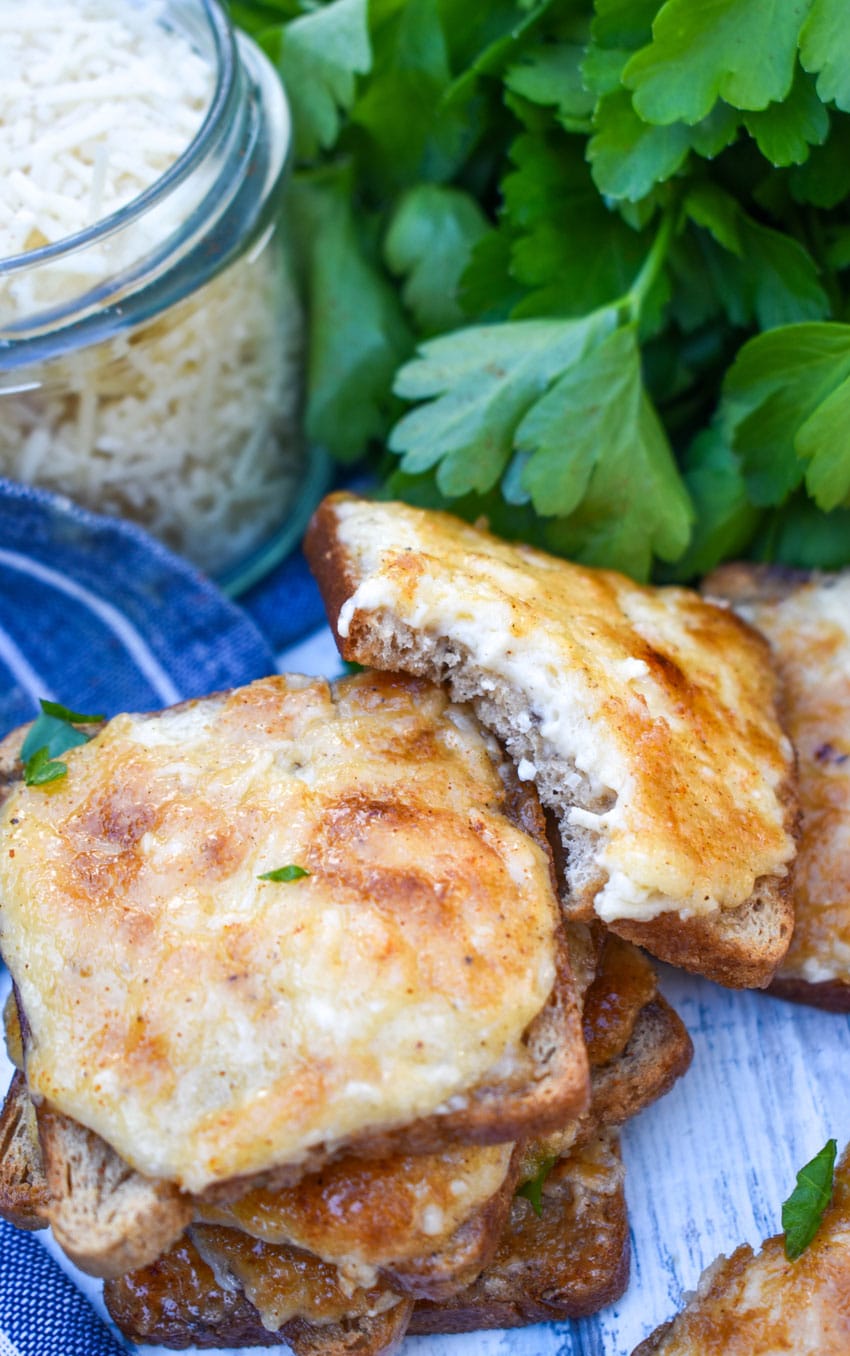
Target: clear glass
[{"x": 150, "y": 364}]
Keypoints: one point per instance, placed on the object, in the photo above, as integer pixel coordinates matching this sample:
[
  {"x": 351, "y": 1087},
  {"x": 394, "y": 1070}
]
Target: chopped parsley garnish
[
  {"x": 803, "y": 1211},
  {"x": 284, "y": 873},
  {"x": 41, "y": 769},
  {"x": 532, "y": 1190},
  {"x": 52, "y": 734}
]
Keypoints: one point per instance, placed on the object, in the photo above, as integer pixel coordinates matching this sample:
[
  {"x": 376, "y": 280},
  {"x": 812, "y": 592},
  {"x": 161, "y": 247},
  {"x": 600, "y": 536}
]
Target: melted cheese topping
[
  {"x": 663, "y": 702},
  {"x": 210, "y": 1024},
  {"x": 370, "y": 1212},
  {"x": 810, "y": 633},
  {"x": 764, "y": 1305},
  {"x": 282, "y": 1283}
]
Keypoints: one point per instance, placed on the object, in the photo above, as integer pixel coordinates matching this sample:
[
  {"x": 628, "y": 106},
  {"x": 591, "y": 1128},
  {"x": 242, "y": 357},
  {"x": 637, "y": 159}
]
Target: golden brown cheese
[
  {"x": 763, "y": 1305},
  {"x": 283, "y": 1283},
  {"x": 367, "y": 1213},
  {"x": 209, "y": 1024},
  {"x": 810, "y": 632},
  {"x": 664, "y": 703}
]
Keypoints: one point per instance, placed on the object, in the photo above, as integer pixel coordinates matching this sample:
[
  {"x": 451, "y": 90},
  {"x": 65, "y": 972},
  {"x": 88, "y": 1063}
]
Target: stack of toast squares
[{"x": 328, "y": 999}]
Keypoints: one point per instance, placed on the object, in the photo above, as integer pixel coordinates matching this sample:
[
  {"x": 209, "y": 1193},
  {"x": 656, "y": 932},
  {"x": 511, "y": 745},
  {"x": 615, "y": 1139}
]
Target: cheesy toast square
[
  {"x": 214, "y": 1014},
  {"x": 647, "y": 718},
  {"x": 806, "y": 618}
]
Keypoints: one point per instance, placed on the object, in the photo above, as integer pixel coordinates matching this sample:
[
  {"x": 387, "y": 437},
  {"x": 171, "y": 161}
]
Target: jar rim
[{"x": 226, "y": 64}]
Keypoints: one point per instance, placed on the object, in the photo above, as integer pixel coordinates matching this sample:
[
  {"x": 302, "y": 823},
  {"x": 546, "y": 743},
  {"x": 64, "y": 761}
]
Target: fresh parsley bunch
[{"x": 582, "y": 267}]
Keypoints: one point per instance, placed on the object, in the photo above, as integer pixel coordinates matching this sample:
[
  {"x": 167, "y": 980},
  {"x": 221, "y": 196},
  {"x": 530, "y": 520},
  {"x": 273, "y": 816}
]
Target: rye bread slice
[
  {"x": 105, "y": 1216},
  {"x": 739, "y": 945}
]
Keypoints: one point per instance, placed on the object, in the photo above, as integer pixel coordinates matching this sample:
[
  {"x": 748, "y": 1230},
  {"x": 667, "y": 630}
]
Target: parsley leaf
[
  {"x": 53, "y": 730},
  {"x": 285, "y": 873},
  {"x": 358, "y": 333},
  {"x": 430, "y": 239},
  {"x": 825, "y": 50},
  {"x": 39, "y": 769},
  {"x": 61, "y": 712},
  {"x": 785, "y": 403},
  {"x": 803, "y": 1211},
  {"x": 800, "y": 534},
  {"x": 704, "y": 52},
  {"x": 552, "y": 75},
  {"x": 725, "y": 521},
  {"x": 319, "y": 55},
  {"x": 481, "y": 382},
  {"x": 785, "y": 131},
  {"x": 628, "y": 155},
  {"x": 532, "y": 1190}
]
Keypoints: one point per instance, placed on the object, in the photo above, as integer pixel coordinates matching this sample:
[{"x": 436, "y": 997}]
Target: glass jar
[{"x": 150, "y": 363}]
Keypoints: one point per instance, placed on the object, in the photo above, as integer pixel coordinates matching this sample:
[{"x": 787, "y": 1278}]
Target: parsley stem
[{"x": 633, "y": 301}]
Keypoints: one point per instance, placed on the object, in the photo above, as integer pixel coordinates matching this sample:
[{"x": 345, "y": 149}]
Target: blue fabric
[
  {"x": 100, "y": 617},
  {"x": 42, "y": 1313}
]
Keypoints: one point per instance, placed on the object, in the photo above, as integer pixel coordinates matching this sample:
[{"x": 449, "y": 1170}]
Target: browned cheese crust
[{"x": 372, "y": 853}]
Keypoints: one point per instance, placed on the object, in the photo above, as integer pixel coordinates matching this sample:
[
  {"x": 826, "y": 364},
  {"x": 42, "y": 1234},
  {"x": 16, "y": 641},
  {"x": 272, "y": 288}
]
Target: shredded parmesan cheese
[{"x": 186, "y": 424}]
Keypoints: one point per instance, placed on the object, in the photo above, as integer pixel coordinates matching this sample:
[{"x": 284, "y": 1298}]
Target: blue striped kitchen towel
[{"x": 98, "y": 616}]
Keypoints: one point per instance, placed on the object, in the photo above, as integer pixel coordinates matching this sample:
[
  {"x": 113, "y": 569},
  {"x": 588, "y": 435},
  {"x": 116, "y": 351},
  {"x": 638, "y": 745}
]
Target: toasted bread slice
[
  {"x": 569, "y": 1261},
  {"x": 179, "y": 1302},
  {"x": 105, "y": 1216},
  {"x": 806, "y": 618},
  {"x": 137, "y": 912},
  {"x": 758, "y": 1304},
  {"x": 24, "y": 1196},
  {"x": 647, "y": 717}
]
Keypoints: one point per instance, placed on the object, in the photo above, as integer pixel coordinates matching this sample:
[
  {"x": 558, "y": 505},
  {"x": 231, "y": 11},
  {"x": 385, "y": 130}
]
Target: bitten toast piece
[
  {"x": 647, "y": 718},
  {"x": 760, "y": 1304},
  {"x": 137, "y": 910},
  {"x": 569, "y": 1261},
  {"x": 806, "y": 618},
  {"x": 179, "y": 1302}
]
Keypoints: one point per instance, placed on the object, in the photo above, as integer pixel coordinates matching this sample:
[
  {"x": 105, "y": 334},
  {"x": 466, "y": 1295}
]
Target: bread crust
[{"x": 832, "y": 995}]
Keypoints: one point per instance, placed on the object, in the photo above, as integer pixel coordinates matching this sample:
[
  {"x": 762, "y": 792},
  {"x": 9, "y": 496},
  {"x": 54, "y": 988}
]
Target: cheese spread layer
[
  {"x": 209, "y": 1023},
  {"x": 663, "y": 703},
  {"x": 809, "y": 630},
  {"x": 371, "y": 1212}
]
